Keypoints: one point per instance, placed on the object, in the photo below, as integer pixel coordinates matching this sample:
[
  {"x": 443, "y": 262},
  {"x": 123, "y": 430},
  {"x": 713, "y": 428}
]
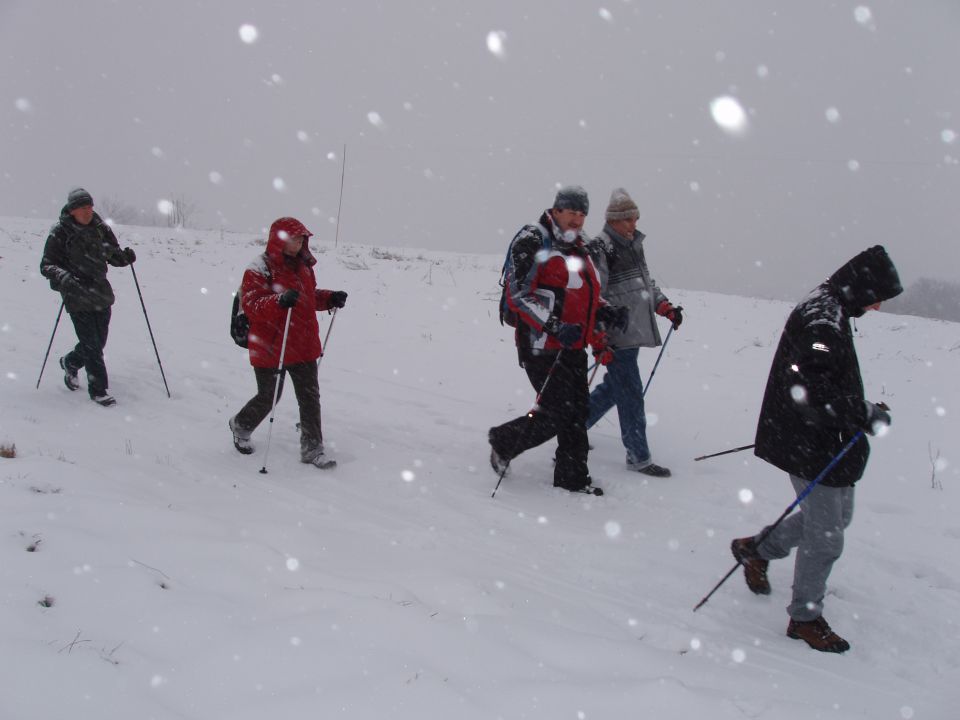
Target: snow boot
[
  {"x": 754, "y": 566},
  {"x": 318, "y": 459},
  {"x": 818, "y": 635},
  {"x": 651, "y": 469},
  {"x": 70, "y": 378},
  {"x": 241, "y": 439},
  {"x": 498, "y": 462},
  {"x": 104, "y": 400}
]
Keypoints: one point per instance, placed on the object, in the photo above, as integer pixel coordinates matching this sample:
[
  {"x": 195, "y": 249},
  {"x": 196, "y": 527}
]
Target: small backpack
[
  {"x": 507, "y": 315},
  {"x": 239, "y": 323}
]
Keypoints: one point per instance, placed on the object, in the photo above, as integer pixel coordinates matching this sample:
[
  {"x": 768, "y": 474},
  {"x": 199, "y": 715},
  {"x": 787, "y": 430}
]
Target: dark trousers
[
  {"x": 562, "y": 412},
  {"x": 307, "y": 390},
  {"x": 91, "y": 330}
]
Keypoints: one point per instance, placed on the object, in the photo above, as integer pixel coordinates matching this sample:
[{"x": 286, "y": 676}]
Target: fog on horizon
[{"x": 460, "y": 119}]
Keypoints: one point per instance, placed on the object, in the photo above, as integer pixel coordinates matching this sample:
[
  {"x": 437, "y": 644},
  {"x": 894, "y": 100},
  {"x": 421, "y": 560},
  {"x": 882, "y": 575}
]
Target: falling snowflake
[
  {"x": 833, "y": 115},
  {"x": 612, "y": 529},
  {"x": 853, "y": 165},
  {"x": 215, "y": 177},
  {"x": 745, "y": 495},
  {"x": 408, "y": 475},
  {"x": 862, "y": 14},
  {"x": 729, "y": 115},
  {"x": 156, "y": 152},
  {"x": 249, "y": 34},
  {"x": 303, "y": 136},
  {"x": 23, "y": 105},
  {"x": 763, "y": 71},
  {"x": 605, "y": 14},
  {"x": 738, "y": 655},
  {"x": 497, "y": 43},
  {"x": 164, "y": 207},
  {"x": 279, "y": 185},
  {"x": 293, "y": 564},
  {"x": 374, "y": 119},
  {"x": 948, "y": 136}
]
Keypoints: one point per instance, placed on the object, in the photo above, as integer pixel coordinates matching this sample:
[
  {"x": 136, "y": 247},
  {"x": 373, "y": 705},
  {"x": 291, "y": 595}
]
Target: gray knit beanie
[
  {"x": 572, "y": 197},
  {"x": 621, "y": 206},
  {"x": 78, "y": 198}
]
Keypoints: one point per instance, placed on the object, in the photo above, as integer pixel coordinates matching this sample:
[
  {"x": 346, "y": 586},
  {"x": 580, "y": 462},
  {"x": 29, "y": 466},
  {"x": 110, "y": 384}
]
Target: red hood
[{"x": 282, "y": 229}]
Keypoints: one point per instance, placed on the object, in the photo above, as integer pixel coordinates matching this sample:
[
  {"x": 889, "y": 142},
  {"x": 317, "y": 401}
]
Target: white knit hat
[{"x": 621, "y": 206}]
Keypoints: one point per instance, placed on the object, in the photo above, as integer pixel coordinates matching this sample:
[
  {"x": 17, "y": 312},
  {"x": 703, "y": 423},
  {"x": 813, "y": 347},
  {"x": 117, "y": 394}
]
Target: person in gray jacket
[
  {"x": 626, "y": 282},
  {"x": 75, "y": 260}
]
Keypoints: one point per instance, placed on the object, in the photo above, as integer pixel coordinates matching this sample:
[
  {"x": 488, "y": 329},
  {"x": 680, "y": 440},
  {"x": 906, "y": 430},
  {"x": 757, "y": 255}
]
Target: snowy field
[{"x": 150, "y": 571}]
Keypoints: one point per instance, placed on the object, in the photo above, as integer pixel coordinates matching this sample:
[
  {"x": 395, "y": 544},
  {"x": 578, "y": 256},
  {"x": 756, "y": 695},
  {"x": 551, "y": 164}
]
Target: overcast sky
[{"x": 456, "y": 137}]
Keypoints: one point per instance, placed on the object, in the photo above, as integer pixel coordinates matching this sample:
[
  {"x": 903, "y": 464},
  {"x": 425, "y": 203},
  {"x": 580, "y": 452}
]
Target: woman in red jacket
[{"x": 278, "y": 284}]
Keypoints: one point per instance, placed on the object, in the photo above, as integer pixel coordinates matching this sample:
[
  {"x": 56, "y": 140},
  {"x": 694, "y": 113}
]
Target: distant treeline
[{"x": 929, "y": 298}]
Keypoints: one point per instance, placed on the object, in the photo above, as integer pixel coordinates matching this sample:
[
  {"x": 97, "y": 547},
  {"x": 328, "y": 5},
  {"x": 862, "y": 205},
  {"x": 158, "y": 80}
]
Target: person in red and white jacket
[
  {"x": 553, "y": 287},
  {"x": 278, "y": 284}
]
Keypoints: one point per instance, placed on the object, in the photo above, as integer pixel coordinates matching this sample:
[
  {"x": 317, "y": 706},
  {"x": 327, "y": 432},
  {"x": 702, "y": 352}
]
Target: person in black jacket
[
  {"x": 812, "y": 407},
  {"x": 75, "y": 259}
]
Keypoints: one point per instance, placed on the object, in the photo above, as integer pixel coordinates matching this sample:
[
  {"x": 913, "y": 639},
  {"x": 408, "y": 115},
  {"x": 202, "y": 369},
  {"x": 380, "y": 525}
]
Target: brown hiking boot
[
  {"x": 754, "y": 566},
  {"x": 818, "y": 635}
]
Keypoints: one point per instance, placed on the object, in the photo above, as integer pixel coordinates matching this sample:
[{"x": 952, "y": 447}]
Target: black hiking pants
[
  {"x": 91, "y": 327},
  {"x": 307, "y": 390},
  {"x": 563, "y": 411}
]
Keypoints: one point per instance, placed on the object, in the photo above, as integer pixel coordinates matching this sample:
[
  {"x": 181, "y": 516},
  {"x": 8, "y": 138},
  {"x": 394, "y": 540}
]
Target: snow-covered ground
[{"x": 148, "y": 570}]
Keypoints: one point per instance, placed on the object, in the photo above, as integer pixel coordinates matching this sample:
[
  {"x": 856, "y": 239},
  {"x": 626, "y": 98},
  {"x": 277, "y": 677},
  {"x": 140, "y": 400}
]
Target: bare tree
[
  {"x": 110, "y": 208},
  {"x": 181, "y": 211}
]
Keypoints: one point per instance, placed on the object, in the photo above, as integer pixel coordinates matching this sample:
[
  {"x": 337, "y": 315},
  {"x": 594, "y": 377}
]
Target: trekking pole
[
  {"x": 323, "y": 348},
  {"x": 595, "y": 368},
  {"x": 343, "y": 171},
  {"x": 149, "y": 329},
  {"x": 536, "y": 406},
  {"x": 725, "y": 452},
  {"x": 806, "y": 491},
  {"x": 59, "y": 313},
  {"x": 276, "y": 388},
  {"x": 652, "y": 372}
]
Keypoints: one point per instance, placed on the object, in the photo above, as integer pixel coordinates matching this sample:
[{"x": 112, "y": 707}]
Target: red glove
[
  {"x": 601, "y": 351},
  {"x": 671, "y": 313}
]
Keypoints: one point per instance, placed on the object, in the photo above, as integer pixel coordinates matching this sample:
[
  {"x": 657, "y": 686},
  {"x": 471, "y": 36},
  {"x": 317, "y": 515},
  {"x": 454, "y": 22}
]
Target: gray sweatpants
[{"x": 817, "y": 533}]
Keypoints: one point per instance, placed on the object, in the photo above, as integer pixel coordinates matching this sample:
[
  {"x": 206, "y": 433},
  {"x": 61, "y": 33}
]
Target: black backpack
[
  {"x": 239, "y": 323},
  {"x": 507, "y": 315}
]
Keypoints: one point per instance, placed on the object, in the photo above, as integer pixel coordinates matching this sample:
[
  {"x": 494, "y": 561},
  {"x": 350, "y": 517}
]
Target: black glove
[
  {"x": 129, "y": 255},
  {"x": 616, "y": 318},
  {"x": 69, "y": 282},
  {"x": 566, "y": 333},
  {"x": 877, "y": 417},
  {"x": 338, "y": 298},
  {"x": 288, "y": 298}
]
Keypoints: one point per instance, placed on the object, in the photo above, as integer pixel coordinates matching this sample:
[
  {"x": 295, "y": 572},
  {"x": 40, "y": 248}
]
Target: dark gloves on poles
[
  {"x": 878, "y": 417},
  {"x": 338, "y": 298},
  {"x": 567, "y": 334},
  {"x": 616, "y": 318},
  {"x": 288, "y": 298},
  {"x": 129, "y": 255},
  {"x": 671, "y": 313}
]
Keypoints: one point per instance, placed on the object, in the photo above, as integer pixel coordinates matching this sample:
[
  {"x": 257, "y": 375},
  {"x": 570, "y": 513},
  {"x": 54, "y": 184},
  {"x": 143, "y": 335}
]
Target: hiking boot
[
  {"x": 70, "y": 378},
  {"x": 651, "y": 469},
  {"x": 104, "y": 400},
  {"x": 818, "y": 635},
  {"x": 754, "y": 566},
  {"x": 241, "y": 439},
  {"x": 498, "y": 462},
  {"x": 318, "y": 459},
  {"x": 574, "y": 485}
]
